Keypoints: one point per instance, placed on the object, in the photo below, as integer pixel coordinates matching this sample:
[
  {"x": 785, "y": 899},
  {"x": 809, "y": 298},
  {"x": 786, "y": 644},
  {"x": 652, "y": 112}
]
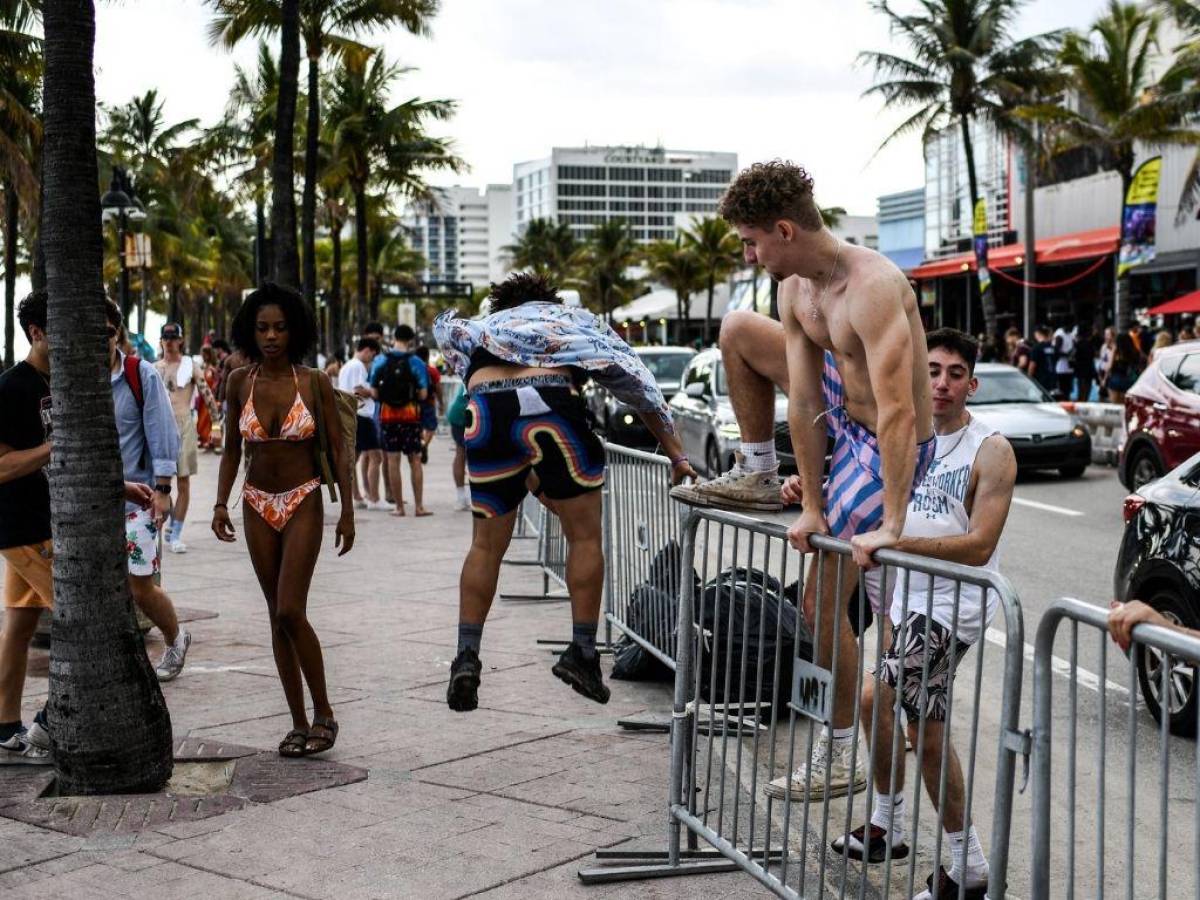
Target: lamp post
[{"x": 120, "y": 204}]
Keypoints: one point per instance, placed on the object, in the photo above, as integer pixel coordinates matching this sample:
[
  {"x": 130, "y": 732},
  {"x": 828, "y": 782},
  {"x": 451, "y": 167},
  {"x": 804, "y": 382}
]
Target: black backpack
[{"x": 397, "y": 386}]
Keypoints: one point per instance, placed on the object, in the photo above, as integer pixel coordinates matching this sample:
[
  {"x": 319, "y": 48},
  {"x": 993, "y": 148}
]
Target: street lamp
[{"x": 120, "y": 203}]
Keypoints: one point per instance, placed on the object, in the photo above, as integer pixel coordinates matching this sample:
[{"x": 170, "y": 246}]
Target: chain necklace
[
  {"x": 814, "y": 306},
  {"x": 962, "y": 433}
]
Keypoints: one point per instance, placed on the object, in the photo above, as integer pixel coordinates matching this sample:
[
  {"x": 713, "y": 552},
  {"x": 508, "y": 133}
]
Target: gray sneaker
[
  {"x": 737, "y": 489},
  {"x": 171, "y": 664},
  {"x": 18, "y": 750},
  {"x": 38, "y": 735}
]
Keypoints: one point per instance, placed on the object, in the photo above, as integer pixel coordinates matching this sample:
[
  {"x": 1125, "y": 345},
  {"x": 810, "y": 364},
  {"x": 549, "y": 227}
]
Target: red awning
[
  {"x": 1052, "y": 250},
  {"x": 1188, "y": 303}
]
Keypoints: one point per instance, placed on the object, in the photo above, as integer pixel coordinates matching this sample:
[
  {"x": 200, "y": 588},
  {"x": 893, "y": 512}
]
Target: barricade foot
[
  {"x": 651, "y": 722},
  {"x": 536, "y": 598},
  {"x": 609, "y": 874}
]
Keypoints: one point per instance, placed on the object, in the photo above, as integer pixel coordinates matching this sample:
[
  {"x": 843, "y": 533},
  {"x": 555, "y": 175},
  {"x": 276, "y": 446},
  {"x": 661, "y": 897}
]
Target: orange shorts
[{"x": 27, "y": 576}]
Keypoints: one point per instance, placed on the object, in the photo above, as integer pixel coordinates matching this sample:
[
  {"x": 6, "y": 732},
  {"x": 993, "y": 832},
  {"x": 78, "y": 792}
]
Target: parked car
[
  {"x": 1043, "y": 434},
  {"x": 1159, "y": 564},
  {"x": 1162, "y": 415},
  {"x": 704, "y": 418},
  {"x": 619, "y": 422}
]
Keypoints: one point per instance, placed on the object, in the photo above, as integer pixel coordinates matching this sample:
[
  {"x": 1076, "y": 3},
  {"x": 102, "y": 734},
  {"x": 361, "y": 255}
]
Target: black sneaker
[
  {"x": 581, "y": 673},
  {"x": 948, "y": 887},
  {"x": 869, "y": 843},
  {"x": 463, "y": 693}
]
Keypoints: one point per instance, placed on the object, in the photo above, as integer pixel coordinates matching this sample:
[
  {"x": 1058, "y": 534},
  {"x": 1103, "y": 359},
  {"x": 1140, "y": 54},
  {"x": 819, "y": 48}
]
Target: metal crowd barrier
[
  {"x": 640, "y": 524},
  {"x": 551, "y": 555},
  {"x": 749, "y": 706},
  {"x": 1148, "y": 854},
  {"x": 1105, "y": 422}
]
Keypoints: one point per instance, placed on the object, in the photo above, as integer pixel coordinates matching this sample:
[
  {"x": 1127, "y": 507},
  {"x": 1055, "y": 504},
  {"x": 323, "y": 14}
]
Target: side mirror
[{"x": 695, "y": 390}]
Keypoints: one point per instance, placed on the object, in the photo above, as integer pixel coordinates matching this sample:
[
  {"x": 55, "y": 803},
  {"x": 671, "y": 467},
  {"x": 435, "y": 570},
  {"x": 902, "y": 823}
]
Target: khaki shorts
[
  {"x": 27, "y": 576},
  {"x": 189, "y": 448}
]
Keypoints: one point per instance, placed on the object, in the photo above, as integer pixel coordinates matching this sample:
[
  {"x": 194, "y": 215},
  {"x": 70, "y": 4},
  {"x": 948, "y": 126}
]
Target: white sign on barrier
[{"x": 812, "y": 691}]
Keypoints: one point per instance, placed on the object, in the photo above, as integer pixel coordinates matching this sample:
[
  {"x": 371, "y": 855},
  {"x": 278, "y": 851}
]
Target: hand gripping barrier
[
  {"x": 1149, "y": 853},
  {"x": 749, "y": 705},
  {"x": 640, "y": 524}
]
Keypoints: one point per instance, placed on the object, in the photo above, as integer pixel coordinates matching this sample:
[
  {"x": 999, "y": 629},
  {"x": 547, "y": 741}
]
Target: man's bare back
[{"x": 872, "y": 287}]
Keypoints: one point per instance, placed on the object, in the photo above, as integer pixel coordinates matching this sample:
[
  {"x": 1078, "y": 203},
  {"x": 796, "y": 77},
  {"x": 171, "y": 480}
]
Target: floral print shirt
[{"x": 550, "y": 335}]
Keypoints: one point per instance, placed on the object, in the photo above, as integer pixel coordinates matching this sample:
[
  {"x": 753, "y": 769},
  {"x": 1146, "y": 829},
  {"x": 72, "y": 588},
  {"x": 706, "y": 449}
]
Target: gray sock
[
  {"x": 469, "y": 636},
  {"x": 584, "y": 634}
]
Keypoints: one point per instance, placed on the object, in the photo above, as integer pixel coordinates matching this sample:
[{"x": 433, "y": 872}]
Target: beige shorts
[
  {"x": 189, "y": 448},
  {"x": 27, "y": 576}
]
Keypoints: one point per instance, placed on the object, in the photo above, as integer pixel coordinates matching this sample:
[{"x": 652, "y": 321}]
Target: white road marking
[
  {"x": 1046, "y": 507},
  {"x": 1060, "y": 666}
]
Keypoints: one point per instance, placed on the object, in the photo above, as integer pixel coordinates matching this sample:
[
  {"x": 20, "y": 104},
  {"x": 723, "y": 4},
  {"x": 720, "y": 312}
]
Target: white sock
[
  {"x": 759, "y": 457},
  {"x": 889, "y": 813},
  {"x": 977, "y": 865},
  {"x": 176, "y": 531}
]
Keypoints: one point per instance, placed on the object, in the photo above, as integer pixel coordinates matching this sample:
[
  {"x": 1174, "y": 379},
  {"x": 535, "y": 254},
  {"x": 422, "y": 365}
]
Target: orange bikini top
[{"x": 298, "y": 425}]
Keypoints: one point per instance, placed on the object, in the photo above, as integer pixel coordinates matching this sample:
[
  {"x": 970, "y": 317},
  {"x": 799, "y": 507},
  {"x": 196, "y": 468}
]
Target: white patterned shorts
[
  {"x": 902, "y": 665},
  {"x": 141, "y": 542}
]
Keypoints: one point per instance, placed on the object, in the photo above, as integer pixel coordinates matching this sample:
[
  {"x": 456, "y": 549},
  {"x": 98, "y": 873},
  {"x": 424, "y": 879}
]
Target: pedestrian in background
[
  {"x": 456, "y": 417},
  {"x": 1104, "y": 359},
  {"x": 368, "y": 446},
  {"x": 1083, "y": 361},
  {"x": 431, "y": 406},
  {"x": 1042, "y": 359},
  {"x": 1123, "y": 368},
  {"x": 1162, "y": 339},
  {"x": 1064, "y": 354},
  {"x": 400, "y": 381}
]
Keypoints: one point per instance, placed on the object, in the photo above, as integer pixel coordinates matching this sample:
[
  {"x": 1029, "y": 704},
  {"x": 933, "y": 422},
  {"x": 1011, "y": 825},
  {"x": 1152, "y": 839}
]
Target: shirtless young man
[
  {"x": 850, "y": 353},
  {"x": 182, "y": 378}
]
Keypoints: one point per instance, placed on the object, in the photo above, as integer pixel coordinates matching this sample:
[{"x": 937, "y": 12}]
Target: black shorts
[
  {"x": 403, "y": 437},
  {"x": 552, "y": 438},
  {"x": 944, "y": 652},
  {"x": 366, "y": 436}
]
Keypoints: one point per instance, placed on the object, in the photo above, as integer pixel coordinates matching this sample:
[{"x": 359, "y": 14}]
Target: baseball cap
[{"x": 172, "y": 331}]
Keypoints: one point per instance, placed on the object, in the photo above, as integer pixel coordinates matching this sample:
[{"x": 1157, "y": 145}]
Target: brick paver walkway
[{"x": 507, "y": 801}]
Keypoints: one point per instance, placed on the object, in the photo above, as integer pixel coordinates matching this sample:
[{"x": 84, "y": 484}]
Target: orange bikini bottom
[{"x": 277, "y": 509}]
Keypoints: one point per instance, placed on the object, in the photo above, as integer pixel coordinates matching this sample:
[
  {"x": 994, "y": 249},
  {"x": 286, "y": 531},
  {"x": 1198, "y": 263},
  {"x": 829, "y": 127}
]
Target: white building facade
[
  {"x": 463, "y": 235},
  {"x": 651, "y": 188}
]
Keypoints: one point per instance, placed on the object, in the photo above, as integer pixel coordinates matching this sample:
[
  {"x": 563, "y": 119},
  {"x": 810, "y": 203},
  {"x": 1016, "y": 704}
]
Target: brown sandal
[
  {"x": 294, "y": 744},
  {"x": 319, "y": 743}
]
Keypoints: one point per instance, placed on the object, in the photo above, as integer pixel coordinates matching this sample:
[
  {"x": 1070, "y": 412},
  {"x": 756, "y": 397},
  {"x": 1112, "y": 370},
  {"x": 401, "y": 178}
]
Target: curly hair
[
  {"x": 32, "y": 311},
  {"x": 302, "y": 328},
  {"x": 522, "y": 287},
  {"x": 766, "y": 192}
]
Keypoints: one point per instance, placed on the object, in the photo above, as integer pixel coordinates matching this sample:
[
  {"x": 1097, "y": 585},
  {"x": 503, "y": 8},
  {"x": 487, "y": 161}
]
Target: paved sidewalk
[{"x": 507, "y": 801}]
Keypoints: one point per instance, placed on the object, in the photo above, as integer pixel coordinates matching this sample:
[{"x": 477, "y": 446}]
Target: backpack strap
[
  {"x": 133, "y": 377},
  {"x": 324, "y": 455}
]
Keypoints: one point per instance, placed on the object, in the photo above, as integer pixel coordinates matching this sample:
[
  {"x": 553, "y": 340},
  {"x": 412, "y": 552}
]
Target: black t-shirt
[
  {"x": 24, "y": 502},
  {"x": 1044, "y": 356}
]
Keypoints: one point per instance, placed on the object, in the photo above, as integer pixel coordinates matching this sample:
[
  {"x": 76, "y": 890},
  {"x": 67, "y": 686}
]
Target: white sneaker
[
  {"x": 379, "y": 505},
  {"x": 836, "y": 759},
  {"x": 462, "y": 504},
  {"x": 737, "y": 489},
  {"x": 171, "y": 664},
  {"x": 360, "y": 504},
  {"x": 18, "y": 750},
  {"x": 37, "y": 735},
  {"x": 177, "y": 547}
]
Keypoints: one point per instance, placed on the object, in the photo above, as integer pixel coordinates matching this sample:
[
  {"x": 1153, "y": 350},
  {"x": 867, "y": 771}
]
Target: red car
[{"x": 1162, "y": 415}]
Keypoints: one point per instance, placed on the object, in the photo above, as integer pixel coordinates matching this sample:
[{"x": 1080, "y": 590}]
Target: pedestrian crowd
[{"x": 910, "y": 469}]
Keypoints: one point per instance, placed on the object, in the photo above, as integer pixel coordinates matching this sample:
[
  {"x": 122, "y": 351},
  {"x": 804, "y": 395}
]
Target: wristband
[
  {"x": 217, "y": 506},
  {"x": 676, "y": 460}
]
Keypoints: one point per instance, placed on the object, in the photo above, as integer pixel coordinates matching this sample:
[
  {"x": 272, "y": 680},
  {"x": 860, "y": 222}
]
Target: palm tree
[
  {"x": 1121, "y": 105},
  {"x": 678, "y": 268},
  {"x": 603, "y": 263},
  {"x": 545, "y": 247},
  {"x": 832, "y": 216},
  {"x": 1186, "y": 67},
  {"x": 137, "y": 134},
  {"x": 324, "y": 25},
  {"x": 963, "y": 66},
  {"x": 720, "y": 253},
  {"x": 111, "y": 728},
  {"x": 20, "y": 140},
  {"x": 284, "y": 254},
  {"x": 382, "y": 145}
]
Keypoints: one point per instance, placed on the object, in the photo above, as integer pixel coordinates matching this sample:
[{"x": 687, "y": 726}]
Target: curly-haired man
[{"x": 850, "y": 353}]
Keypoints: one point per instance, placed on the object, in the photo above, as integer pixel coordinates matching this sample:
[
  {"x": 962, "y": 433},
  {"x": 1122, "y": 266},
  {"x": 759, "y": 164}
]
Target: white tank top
[{"x": 938, "y": 509}]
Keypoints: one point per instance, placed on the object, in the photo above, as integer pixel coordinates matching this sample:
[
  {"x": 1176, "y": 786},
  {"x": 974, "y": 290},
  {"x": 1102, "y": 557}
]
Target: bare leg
[
  {"x": 931, "y": 771},
  {"x": 481, "y": 568},
  {"x": 266, "y": 550},
  {"x": 459, "y": 467},
  {"x": 396, "y": 482},
  {"x": 183, "y": 499},
  {"x": 580, "y": 518},
  {"x": 374, "y": 464},
  {"x": 755, "y": 358},
  {"x": 834, "y": 625},
  {"x": 417, "y": 471},
  {"x": 154, "y": 602},
  {"x": 887, "y": 745},
  {"x": 359, "y": 478},
  {"x": 20, "y": 622}
]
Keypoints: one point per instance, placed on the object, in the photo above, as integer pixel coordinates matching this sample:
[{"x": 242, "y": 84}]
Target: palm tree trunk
[
  {"x": 110, "y": 726},
  {"x": 360, "y": 251},
  {"x": 679, "y": 319},
  {"x": 708, "y": 316},
  {"x": 335, "y": 284},
  {"x": 283, "y": 164},
  {"x": 12, "y": 211},
  {"x": 261, "y": 254},
  {"x": 986, "y": 298},
  {"x": 308, "y": 204}
]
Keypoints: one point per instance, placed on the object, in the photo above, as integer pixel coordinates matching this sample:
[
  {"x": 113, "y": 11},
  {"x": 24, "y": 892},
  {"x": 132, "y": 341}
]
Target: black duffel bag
[{"x": 652, "y": 612}]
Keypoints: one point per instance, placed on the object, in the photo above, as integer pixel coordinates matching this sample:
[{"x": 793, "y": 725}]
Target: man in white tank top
[{"x": 956, "y": 514}]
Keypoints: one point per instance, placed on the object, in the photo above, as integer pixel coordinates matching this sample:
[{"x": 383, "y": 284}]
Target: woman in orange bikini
[{"x": 272, "y": 401}]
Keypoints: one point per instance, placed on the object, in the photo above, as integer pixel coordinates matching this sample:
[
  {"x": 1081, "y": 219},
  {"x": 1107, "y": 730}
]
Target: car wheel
[
  {"x": 1180, "y": 699},
  {"x": 1072, "y": 471},
  {"x": 1144, "y": 467},
  {"x": 712, "y": 459}
]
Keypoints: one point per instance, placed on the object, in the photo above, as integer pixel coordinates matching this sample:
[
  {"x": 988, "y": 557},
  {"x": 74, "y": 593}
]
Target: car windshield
[
  {"x": 1007, "y": 387},
  {"x": 665, "y": 366}
]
